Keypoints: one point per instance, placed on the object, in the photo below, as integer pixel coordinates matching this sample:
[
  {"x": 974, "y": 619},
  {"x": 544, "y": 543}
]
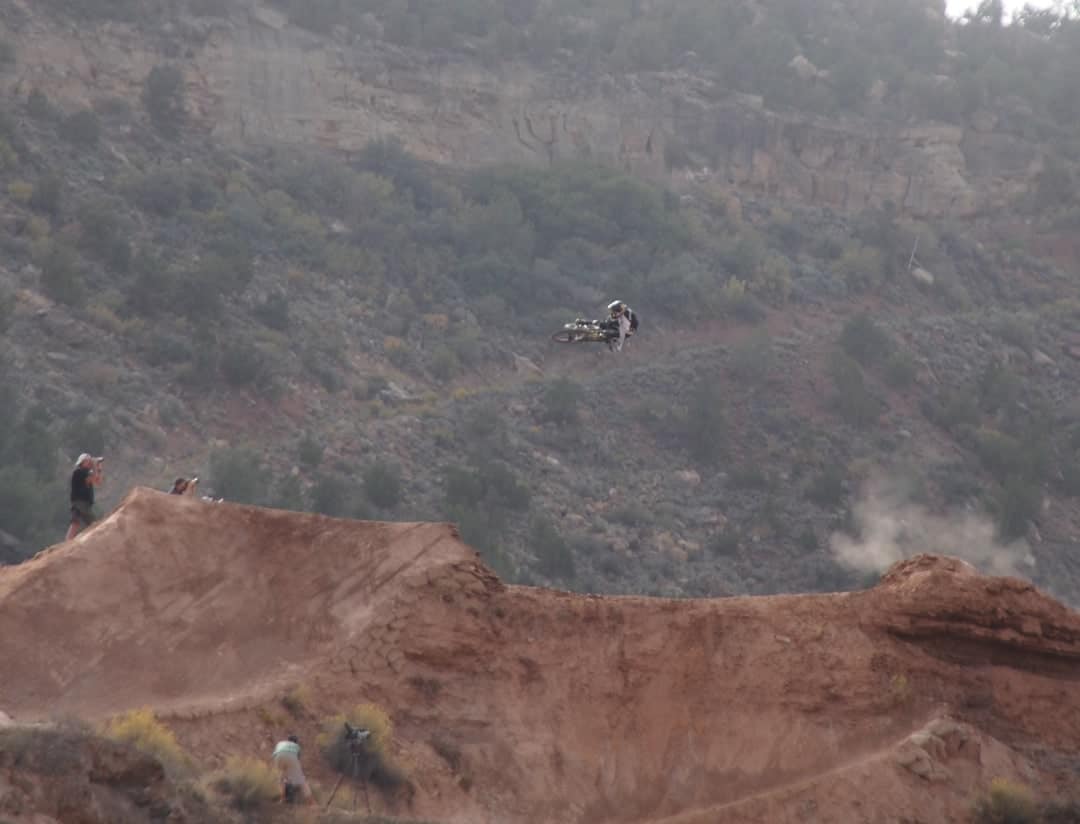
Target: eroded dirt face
[{"x": 517, "y": 704}]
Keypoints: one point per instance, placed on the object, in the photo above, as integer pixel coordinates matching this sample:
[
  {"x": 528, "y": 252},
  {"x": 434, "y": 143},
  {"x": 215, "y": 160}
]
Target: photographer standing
[{"x": 88, "y": 474}]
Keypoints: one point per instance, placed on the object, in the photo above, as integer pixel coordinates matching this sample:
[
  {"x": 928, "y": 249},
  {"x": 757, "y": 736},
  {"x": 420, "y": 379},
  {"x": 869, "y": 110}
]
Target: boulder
[{"x": 922, "y": 276}]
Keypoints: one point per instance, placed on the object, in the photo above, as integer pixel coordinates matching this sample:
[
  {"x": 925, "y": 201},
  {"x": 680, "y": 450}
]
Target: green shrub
[
  {"x": 865, "y": 341},
  {"x": 750, "y": 477},
  {"x": 237, "y": 475},
  {"x": 956, "y": 409},
  {"x": 81, "y": 128},
  {"x": 84, "y": 434},
  {"x": 21, "y": 500},
  {"x": 288, "y": 493},
  {"x": 753, "y": 359},
  {"x": 162, "y": 191},
  {"x": 1008, "y": 456},
  {"x": 560, "y": 402},
  {"x": 382, "y": 485},
  {"x": 330, "y": 496},
  {"x": 853, "y": 400},
  {"x": 1018, "y": 502},
  {"x": 444, "y": 364},
  {"x": 7, "y": 309},
  {"x": 243, "y": 364},
  {"x": 7, "y": 54},
  {"x": 726, "y": 543},
  {"x": 703, "y": 425},
  {"x": 900, "y": 370},
  {"x": 1006, "y": 803},
  {"x": 553, "y": 553},
  {"x": 38, "y": 106},
  {"x": 998, "y": 388},
  {"x": 862, "y": 267},
  {"x": 828, "y": 489},
  {"x": 249, "y": 785},
  {"x": 61, "y": 276},
  {"x": 102, "y": 233},
  {"x": 46, "y": 195},
  {"x": 163, "y": 97},
  {"x": 1017, "y": 330},
  {"x": 483, "y": 528},
  {"x": 274, "y": 311},
  {"x": 309, "y": 451}
]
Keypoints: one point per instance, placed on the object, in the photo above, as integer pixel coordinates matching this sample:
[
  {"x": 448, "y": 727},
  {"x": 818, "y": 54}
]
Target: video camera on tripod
[{"x": 356, "y": 735}]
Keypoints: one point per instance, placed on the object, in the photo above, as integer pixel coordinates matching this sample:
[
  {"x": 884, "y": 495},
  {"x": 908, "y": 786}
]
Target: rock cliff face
[{"x": 255, "y": 78}]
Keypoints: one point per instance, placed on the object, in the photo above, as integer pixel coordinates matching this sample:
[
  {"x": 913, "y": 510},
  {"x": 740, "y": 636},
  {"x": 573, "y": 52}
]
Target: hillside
[
  {"x": 316, "y": 258},
  {"x": 519, "y": 704}
]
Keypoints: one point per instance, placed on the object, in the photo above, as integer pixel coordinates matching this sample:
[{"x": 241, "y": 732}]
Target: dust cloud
[{"x": 891, "y": 527}]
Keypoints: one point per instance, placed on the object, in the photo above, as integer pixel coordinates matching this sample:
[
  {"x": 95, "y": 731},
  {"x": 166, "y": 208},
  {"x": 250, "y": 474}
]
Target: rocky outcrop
[{"x": 255, "y": 78}]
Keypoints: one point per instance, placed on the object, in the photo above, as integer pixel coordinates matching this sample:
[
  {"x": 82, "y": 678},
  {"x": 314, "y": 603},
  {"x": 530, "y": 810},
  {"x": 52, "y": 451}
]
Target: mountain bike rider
[{"x": 621, "y": 318}]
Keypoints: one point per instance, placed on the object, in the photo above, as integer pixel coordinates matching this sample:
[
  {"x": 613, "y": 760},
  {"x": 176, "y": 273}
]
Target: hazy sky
[{"x": 956, "y": 8}]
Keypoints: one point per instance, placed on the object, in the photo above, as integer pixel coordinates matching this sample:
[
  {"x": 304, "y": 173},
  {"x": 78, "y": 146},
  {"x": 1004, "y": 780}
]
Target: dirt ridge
[{"x": 560, "y": 707}]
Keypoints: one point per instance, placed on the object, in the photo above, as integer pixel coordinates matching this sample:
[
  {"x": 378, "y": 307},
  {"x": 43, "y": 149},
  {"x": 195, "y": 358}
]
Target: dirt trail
[{"x": 514, "y": 704}]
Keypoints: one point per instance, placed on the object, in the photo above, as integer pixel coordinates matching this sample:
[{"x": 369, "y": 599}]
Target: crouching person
[{"x": 286, "y": 759}]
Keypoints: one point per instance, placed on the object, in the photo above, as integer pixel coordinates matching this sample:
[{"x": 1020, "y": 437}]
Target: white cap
[{"x": 84, "y": 457}]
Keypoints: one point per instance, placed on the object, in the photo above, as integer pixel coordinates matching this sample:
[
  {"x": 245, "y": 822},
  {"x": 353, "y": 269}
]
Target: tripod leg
[{"x": 333, "y": 792}]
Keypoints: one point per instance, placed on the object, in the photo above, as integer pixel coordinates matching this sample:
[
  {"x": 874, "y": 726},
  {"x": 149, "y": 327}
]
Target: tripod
[{"x": 357, "y": 755}]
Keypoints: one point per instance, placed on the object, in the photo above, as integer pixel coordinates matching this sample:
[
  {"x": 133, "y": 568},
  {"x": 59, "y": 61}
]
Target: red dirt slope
[{"x": 898, "y": 702}]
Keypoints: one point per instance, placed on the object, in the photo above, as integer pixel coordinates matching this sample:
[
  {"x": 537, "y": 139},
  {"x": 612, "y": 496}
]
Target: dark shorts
[
  {"x": 82, "y": 513},
  {"x": 293, "y": 793}
]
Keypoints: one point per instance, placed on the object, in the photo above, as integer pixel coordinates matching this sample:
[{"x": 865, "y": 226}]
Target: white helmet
[{"x": 616, "y": 307}]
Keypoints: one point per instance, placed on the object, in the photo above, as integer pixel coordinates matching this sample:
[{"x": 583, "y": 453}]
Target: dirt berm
[{"x": 524, "y": 705}]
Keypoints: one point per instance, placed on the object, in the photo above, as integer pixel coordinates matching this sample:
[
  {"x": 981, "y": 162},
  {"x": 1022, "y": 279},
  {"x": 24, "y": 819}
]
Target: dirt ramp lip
[
  {"x": 172, "y": 598},
  {"x": 953, "y": 611}
]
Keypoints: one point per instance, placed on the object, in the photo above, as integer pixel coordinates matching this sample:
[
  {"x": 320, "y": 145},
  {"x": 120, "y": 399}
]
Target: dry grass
[
  {"x": 296, "y": 700},
  {"x": 142, "y": 730},
  {"x": 247, "y": 783},
  {"x": 1006, "y": 803}
]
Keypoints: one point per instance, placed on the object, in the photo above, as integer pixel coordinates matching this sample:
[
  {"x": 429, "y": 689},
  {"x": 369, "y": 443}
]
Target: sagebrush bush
[
  {"x": 297, "y": 700},
  {"x": 142, "y": 730},
  {"x": 555, "y": 558},
  {"x": 375, "y": 764},
  {"x": 163, "y": 97},
  {"x": 236, "y": 475},
  {"x": 81, "y": 128},
  {"x": 854, "y": 402},
  {"x": 865, "y": 341},
  {"x": 560, "y": 402},
  {"x": 382, "y": 485},
  {"x": 1006, "y": 803},
  {"x": 330, "y": 496},
  {"x": 46, "y": 194},
  {"x": 248, "y": 784},
  {"x": 61, "y": 275}
]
